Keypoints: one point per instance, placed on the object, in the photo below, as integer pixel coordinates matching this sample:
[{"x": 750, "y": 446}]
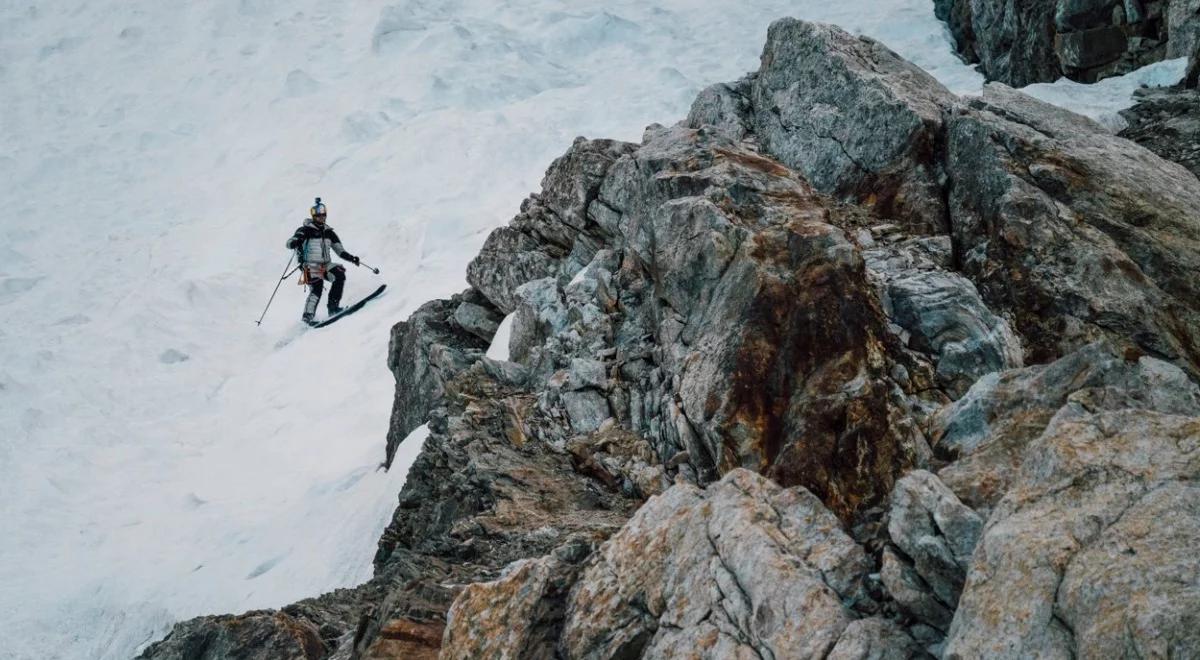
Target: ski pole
[
  {"x": 286, "y": 272},
  {"x": 367, "y": 266}
]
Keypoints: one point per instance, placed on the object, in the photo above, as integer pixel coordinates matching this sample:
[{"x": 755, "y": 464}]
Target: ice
[{"x": 161, "y": 456}]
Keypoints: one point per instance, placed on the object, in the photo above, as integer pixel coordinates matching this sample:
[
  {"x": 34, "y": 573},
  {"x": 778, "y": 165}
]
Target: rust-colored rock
[
  {"x": 405, "y": 639},
  {"x": 516, "y": 617}
]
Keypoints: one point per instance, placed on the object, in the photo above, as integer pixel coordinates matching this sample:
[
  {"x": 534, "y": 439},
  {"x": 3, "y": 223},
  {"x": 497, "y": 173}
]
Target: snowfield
[{"x": 161, "y": 456}]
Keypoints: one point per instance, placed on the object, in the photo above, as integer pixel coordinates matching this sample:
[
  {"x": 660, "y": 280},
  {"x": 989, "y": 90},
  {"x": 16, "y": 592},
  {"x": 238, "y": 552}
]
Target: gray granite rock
[
  {"x": 941, "y": 311},
  {"x": 1018, "y": 42},
  {"x": 913, "y": 594},
  {"x": 1074, "y": 232},
  {"x": 1167, "y": 122},
  {"x": 423, "y": 353},
  {"x": 753, "y": 281},
  {"x": 986, "y": 432},
  {"x": 874, "y": 639},
  {"x": 693, "y": 306},
  {"x": 1092, "y": 553},
  {"x": 1091, "y": 49},
  {"x": 586, "y": 409},
  {"x": 1183, "y": 27},
  {"x": 540, "y": 314},
  {"x": 1014, "y": 40},
  {"x": 479, "y": 320},
  {"x": 539, "y": 241},
  {"x": 720, "y": 573},
  {"x": 935, "y": 530},
  {"x": 725, "y": 108},
  {"x": 585, "y": 372},
  {"x": 854, "y": 118}
]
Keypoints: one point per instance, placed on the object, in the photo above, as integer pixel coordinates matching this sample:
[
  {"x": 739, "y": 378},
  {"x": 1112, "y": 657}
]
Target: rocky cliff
[
  {"x": 1019, "y": 42},
  {"x": 840, "y": 366}
]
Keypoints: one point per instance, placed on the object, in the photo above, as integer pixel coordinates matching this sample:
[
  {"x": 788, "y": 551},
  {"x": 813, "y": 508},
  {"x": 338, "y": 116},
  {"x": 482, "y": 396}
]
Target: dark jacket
[{"x": 315, "y": 244}]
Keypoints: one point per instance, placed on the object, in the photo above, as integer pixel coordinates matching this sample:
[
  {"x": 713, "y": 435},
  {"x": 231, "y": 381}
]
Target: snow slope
[{"x": 160, "y": 455}]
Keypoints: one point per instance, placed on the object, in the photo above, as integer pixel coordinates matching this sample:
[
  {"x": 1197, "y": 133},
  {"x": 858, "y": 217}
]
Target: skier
[{"x": 313, "y": 242}]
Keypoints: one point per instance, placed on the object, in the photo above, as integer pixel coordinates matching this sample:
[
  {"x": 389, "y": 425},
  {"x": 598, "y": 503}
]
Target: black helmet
[{"x": 317, "y": 210}]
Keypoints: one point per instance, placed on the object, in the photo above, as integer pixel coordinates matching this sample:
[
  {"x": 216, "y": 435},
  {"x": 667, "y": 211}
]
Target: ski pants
[{"x": 316, "y": 284}]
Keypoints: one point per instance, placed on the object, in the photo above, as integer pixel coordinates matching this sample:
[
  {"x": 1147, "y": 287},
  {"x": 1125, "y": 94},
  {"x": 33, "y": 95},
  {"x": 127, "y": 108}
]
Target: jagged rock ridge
[{"x": 841, "y": 366}]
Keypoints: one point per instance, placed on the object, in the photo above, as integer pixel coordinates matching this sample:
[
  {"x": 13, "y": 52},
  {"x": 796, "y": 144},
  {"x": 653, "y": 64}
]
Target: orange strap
[{"x": 306, "y": 277}]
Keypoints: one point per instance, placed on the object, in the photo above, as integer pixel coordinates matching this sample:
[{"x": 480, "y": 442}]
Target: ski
[{"x": 351, "y": 309}]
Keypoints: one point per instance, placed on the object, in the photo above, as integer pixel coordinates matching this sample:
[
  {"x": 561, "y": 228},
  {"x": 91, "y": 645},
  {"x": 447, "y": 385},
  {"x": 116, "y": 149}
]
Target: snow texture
[
  {"x": 160, "y": 455},
  {"x": 1103, "y": 101}
]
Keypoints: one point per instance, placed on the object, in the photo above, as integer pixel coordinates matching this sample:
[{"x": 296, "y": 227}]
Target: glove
[
  {"x": 352, "y": 259},
  {"x": 293, "y": 243}
]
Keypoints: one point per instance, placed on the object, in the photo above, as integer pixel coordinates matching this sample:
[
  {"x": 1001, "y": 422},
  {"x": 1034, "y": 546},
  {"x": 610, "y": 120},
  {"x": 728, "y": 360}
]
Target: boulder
[
  {"x": 584, "y": 373},
  {"x": 515, "y": 617},
  {"x": 934, "y": 529},
  {"x": 1091, "y": 553},
  {"x": 743, "y": 568},
  {"x": 724, "y": 107},
  {"x": 510, "y": 258},
  {"x": 911, "y": 593},
  {"x": 1075, "y": 233},
  {"x": 1088, "y": 49},
  {"x": 586, "y": 409},
  {"x": 540, "y": 315},
  {"x": 987, "y": 431},
  {"x": 854, "y": 118},
  {"x": 479, "y": 320}
]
